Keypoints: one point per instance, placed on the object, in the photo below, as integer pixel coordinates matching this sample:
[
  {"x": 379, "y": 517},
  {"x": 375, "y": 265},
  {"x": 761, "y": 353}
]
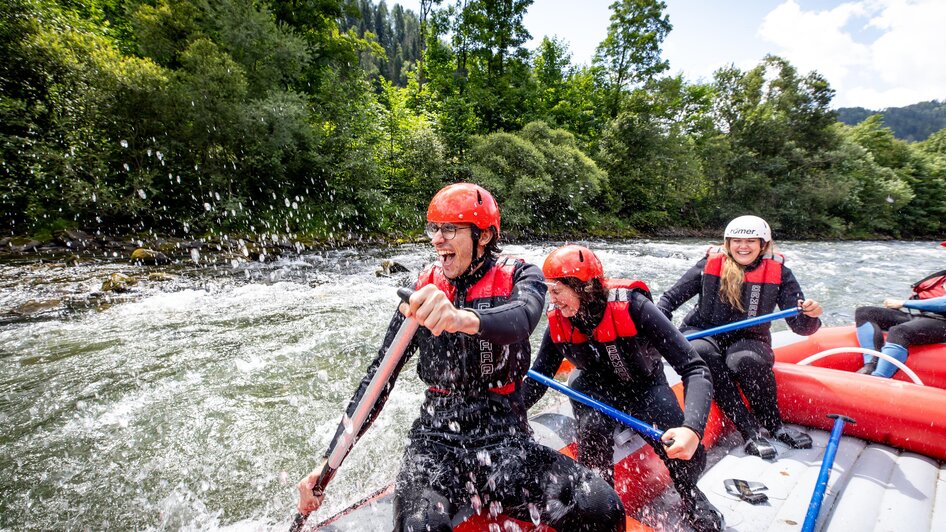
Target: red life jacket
[
  {"x": 494, "y": 288},
  {"x": 769, "y": 272},
  {"x": 760, "y": 286},
  {"x": 497, "y": 282},
  {"x": 615, "y": 323},
  {"x": 932, "y": 286}
]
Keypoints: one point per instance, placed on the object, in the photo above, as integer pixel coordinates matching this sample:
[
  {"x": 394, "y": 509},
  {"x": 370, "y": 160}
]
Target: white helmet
[{"x": 748, "y": 227}]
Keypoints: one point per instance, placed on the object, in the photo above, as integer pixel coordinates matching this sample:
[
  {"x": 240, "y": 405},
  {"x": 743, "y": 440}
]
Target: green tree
[
  {"x": 779, "y": 127},
  {"x": 630, "y": 54},
  {"x": 916, "y": 177},
  {"x": 546, "y": 183}
]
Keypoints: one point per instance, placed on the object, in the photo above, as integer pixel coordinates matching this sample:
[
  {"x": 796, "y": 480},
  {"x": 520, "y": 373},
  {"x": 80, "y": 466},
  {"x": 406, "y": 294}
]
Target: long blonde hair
[{"x": 733, "y": 274}]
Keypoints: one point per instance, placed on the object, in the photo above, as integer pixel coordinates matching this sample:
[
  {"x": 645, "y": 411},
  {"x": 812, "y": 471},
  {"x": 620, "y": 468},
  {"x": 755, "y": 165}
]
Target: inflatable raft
[{"x": 888, "y": 473}]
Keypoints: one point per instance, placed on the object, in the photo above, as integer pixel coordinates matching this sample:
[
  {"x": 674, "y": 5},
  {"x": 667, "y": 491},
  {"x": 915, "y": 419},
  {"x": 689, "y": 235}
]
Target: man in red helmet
[{"x": 471, "y": 446}]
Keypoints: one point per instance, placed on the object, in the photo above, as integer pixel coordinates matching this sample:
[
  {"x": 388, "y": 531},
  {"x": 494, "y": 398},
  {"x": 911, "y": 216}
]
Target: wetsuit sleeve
[
  {"x": 546, "y": 362},
  {"x": 683, "y": 290},
  {"x": 935, "y": 304},
  {"x": 789, "y": 295},
  {"x": 515, "y": 320},
  {"x": 393, "y": 328},
  {"x": 671, "y": 344}
]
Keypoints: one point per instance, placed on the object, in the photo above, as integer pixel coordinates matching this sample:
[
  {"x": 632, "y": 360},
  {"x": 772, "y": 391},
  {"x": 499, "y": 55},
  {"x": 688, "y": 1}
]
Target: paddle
[
  {"x": 607, "y": 410},
  {"x": 633, "y": 422},
  {"x": 381, "y": 377},
  {"x": 822, "y": 484},
  {"x": 787, "y": 313}
]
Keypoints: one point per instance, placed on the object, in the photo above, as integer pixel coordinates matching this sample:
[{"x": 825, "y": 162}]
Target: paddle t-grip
[{"x": 405, "y": 294}]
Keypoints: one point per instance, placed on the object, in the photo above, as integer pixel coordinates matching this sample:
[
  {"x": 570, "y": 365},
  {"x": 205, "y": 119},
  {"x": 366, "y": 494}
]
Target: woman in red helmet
[
  {"x": 611, "y": 330},
  {"x": 741, "y": 280},
  {"x": 471, "y": 445}
]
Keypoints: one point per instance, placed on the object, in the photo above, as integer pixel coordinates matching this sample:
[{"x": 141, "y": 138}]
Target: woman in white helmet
[{"x": 740, "y": 280}]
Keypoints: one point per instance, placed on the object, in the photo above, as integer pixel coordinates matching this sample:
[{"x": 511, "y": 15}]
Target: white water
[{"x": 199, "y": 403}]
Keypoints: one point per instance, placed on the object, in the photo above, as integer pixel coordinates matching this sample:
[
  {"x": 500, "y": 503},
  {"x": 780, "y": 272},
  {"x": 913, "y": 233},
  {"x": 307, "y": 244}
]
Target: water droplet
[
  {"x": 535, "y": 514},
  {"x": 476, "y": 503},
  {"x": 511, "y": 526},
  {"x": 142, "y": 194},
  {"x": 495, "y": 508},
  {"x": 484, "y": 458}
]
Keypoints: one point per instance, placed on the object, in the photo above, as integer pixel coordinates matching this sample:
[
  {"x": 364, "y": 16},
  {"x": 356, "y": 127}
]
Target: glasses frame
[{"x": 447, "y": 230}]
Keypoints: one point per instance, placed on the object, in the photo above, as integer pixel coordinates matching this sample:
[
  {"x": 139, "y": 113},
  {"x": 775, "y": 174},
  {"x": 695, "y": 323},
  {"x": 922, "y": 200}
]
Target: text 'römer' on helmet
[{"x": 748, "y": 227}]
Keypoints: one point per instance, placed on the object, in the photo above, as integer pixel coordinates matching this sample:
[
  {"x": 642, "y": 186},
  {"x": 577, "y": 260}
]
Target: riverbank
[{"x": 76, "y": 245}]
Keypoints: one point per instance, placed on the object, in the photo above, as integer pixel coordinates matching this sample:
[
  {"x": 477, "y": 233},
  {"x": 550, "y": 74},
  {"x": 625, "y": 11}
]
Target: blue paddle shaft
[
  {"x": 632, "y": 422},
  {"x": 787, "y": 313},
  {"x": 814, "y": 508}
]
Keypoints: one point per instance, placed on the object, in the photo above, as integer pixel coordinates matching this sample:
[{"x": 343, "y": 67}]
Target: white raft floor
[{"x": 872, "y": 488}]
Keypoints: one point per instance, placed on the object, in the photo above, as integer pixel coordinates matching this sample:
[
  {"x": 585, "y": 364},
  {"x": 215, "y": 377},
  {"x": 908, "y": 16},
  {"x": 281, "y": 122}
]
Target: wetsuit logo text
[
  {"x": 755, "y": 294},
  {"x": 617, "y": 362}
]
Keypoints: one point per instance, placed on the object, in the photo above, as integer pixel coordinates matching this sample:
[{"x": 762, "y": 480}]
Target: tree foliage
[
  {"x": 336, "y": 118},
  {"x": 913, "y": 122}
]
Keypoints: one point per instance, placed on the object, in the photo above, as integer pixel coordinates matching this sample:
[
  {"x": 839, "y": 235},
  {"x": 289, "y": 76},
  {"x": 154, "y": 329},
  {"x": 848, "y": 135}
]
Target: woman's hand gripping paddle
[{"x": 381, "y": 377}]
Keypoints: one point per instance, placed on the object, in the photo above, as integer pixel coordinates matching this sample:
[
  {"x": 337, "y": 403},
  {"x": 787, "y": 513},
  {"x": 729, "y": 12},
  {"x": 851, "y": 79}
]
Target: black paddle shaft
[{"x": 328, "y": 472}]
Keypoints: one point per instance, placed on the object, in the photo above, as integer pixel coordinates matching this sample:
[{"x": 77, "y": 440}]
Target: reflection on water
[{"x": 197, "y": 402}]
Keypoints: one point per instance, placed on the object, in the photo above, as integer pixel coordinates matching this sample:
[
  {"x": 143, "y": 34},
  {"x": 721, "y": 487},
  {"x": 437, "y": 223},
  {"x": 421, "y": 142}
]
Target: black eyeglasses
[{"x": 447, "y": 230}]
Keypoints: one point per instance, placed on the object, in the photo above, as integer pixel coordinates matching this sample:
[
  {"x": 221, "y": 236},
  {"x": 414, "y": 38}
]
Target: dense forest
[
  {"x": 339, "y": 118},
  {"x": 914, "y": 122}
]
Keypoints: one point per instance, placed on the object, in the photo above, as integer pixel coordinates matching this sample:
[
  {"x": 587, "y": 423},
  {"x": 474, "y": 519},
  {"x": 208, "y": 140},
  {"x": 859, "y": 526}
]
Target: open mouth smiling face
[
  {"x": 455, "y": 252},
  {"x": 564, "y": 298},
  {"x": 745, "y": 250}
]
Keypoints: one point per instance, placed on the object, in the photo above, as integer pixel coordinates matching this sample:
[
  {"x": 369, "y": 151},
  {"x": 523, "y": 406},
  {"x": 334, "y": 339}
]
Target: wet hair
[
  {"x": 492, "y": 247},
  {"x": 733, "y": 275}
]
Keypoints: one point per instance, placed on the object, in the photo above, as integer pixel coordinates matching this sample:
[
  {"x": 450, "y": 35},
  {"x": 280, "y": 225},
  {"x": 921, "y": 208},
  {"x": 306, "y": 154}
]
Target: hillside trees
[{"x": 316, "y": 116}]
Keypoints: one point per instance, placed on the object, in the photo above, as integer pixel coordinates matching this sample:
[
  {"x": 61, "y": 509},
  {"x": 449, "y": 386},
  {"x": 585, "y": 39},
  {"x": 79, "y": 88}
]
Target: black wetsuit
[
  {"x": 904, "y": 329},
  {"x": 745, "y": 355},
  {"x": 634, "y": 383},
  {"x": 471, "y": 446}
]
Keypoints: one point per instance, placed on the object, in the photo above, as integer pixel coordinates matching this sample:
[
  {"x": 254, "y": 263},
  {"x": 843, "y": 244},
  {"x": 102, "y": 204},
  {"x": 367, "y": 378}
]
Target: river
[{"x": 197, "y": 402}]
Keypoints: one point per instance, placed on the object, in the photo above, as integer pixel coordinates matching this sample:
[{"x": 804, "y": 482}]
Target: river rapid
[{"x": 197, "y": 402}]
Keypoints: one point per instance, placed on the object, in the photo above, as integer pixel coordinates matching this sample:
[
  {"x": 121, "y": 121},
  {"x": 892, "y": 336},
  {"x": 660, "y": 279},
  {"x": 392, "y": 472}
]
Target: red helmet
[
  {"x": 573, "y": 261},
  {"x": 464, "y": 203}
]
